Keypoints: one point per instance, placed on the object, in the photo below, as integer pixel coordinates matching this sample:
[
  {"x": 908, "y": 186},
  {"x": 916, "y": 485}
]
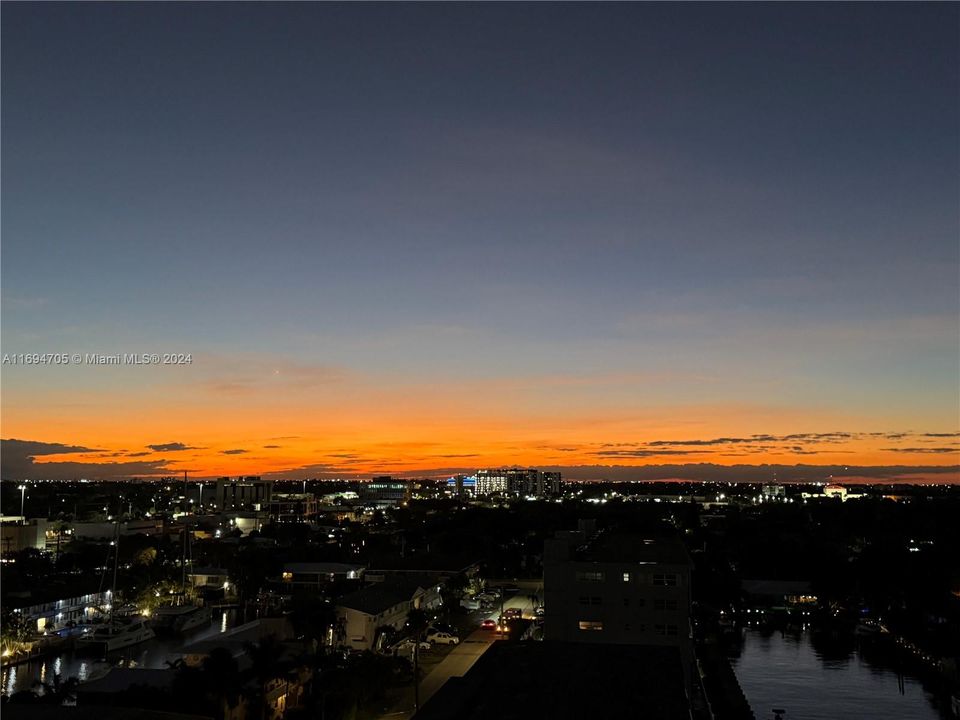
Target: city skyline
[{"x": 420, "y": 239}]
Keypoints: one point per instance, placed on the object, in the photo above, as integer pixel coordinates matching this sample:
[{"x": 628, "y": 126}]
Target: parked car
[
  {"x": 470, "y": 604},
  {"x": 406, "y": 647},
  {"x": 442, "y": 638}
]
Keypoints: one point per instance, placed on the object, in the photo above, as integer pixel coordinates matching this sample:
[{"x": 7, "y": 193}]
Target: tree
[
  {"x": 265, "y": 657},
  {"x": 14, "y": 633}
]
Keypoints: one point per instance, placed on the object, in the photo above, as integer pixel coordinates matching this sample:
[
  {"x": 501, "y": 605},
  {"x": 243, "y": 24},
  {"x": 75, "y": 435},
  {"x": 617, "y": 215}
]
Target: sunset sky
[{"x": 416, "y": 239}]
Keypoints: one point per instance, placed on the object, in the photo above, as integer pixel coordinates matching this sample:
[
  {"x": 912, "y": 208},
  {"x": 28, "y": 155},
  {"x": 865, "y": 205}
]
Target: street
[{"x": 462, "y": 657}]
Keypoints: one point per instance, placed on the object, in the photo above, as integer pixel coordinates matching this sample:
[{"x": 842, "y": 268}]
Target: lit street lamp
[{"x": 23, "y": 493}]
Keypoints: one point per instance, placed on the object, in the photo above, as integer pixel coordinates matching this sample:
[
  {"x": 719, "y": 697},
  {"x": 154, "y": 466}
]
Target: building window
[
  {"x": 662, "y": 604},
  {"x": 665, "y": 630},
  {"x": 596, "y": 601},
  {"x": 626, "y": 577},
  {"x": 665, "y": 579},
  {"x": 591, "y": 625},
  {"x": 584, "y": 600},
  {"x": 590, "y": 577},
  {"x": 626, "y": 602}
]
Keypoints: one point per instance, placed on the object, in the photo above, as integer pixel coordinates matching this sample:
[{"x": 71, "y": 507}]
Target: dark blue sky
[{"x": 758, "y": 193}]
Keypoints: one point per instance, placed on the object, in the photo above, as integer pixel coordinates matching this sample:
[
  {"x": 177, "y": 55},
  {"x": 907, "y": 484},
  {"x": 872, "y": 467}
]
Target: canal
[
  {"x": 815, "y": 679},
  {"x": 151, "y": 654}
]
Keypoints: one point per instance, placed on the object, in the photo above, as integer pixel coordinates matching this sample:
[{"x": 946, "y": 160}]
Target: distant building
[
  {"x": 773, "y": 493},
  {"x": 491, "y": 482},
  {"x": 293, "y": 507},
  {"x": 526, "y": 482},
  {"x": 618, "y": 589},
  {"x": 384, "y": 490},
  {"x": 19, "y": 534},
  {"x": 549, "y": 484},
  {"x": 245, "y": 493},
  {"x": 463, "y": 487},
  {"x": 832, "y": 491}
]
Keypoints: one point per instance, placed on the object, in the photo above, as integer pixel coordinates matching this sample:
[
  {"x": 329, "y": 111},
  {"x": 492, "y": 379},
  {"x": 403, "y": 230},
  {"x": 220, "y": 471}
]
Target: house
[
  {"x": 318, "y": 574},
  {"x": 362, "y": 615}
]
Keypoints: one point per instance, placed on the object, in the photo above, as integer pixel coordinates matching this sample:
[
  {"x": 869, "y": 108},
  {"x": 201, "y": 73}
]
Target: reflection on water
[
  {"x": 152, "y": 654},
  {"x": 824, "y": 681}
]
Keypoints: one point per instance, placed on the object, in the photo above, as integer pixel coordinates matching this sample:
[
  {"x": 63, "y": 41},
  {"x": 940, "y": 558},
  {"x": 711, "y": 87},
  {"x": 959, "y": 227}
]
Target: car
[
  {"x": 442, "y": 627},
  {"x": 406, "y": 647},
  {"x": 512, "y": 614},
  {"x": 489, "y": 624},
  {"x": 442, "y": 638}
]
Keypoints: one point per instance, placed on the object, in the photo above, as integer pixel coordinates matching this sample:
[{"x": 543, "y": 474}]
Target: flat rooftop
[
  {"x": 631, "y": 547},
  {"x": 564, "y": 681}
]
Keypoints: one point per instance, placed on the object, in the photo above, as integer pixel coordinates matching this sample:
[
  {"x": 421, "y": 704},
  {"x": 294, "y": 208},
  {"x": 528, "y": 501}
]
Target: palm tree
[
  {"x": 265, "y": 663},
  {"x": 220, "y": 677}
]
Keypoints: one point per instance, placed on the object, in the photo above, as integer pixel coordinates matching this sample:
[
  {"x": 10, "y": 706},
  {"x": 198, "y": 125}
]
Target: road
[{"x": 462, "y": 657}]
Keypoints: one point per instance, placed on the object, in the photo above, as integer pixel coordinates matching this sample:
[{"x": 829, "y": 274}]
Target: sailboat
[
  {"x": 183, "y": 617},
  {"x": 118, "y": 632}
]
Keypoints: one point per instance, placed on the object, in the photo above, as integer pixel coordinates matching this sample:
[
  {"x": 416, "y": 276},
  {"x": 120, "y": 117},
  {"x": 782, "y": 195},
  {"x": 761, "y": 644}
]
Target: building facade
[{"x": 618, "y": 589}]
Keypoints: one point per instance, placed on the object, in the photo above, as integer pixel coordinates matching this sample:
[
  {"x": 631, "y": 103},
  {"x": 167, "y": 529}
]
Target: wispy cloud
[{"x": 172, "y": 447}]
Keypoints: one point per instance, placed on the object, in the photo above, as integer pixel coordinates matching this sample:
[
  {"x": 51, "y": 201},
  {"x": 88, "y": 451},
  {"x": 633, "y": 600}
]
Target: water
[
  {"x": 151, "y": 654},
  {"x": 812, "y": 681}
]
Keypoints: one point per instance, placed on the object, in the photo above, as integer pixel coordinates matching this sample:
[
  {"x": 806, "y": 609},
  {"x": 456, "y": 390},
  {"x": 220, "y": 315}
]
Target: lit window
[
  {"x": 591, "y": 625},
  {"x": 626, "y": 577}
]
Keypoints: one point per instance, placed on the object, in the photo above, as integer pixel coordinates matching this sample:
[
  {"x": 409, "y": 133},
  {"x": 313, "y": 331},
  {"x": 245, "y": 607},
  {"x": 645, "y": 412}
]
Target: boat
[
  {"x": 116, "y": 634},
  {"x": 119, "y": 631},
  {"x": 180, "y": 619}
]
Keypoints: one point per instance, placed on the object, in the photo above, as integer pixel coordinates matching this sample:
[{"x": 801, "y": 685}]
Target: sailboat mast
[
  {"x": 183, "y": 556},
  {"x": 116, "y": 563}
]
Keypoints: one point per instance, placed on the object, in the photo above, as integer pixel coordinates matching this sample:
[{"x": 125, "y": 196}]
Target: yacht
[
  {"x": 116, "y": 635},
  {"x": 180, "y": 619}
]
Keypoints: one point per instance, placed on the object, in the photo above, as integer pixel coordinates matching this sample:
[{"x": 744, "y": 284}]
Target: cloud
[
  {"x": 641, "y": 453},
  {"x": 759, "y": 473},
  {"x": 172, "y": 447},
  {"x": 271, "y": 447},
  {"x": 929, "y": 450},
  {"x": 19, "y": 463},
  {"x": 33, "y": 448},
  {"x": 236, "y": 451}
]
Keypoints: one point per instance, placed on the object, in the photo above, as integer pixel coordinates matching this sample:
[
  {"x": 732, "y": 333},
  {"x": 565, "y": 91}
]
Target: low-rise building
[
  {"x": 363, "y": 615},
  {"x": 320, "y": 574},
  {"x": 20, "y": 534}
]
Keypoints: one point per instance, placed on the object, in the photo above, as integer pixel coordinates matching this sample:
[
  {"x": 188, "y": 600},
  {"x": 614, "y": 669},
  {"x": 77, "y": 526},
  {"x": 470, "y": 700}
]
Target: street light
[{"x": 23, "y": 494}]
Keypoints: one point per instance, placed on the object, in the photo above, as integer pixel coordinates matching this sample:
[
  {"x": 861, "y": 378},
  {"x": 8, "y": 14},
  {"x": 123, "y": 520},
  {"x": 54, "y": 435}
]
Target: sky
[{"x": 415, "y": 239}]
